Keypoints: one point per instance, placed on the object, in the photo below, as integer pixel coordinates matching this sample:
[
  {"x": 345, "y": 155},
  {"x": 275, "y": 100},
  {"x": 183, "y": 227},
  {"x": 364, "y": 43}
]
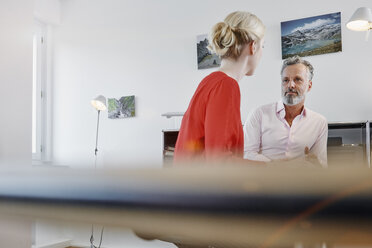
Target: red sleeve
[{"x": 222, "y": 121}]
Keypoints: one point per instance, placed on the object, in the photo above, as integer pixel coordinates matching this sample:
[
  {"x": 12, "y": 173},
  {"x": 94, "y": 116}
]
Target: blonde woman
[{"x": 211, "y": 127}]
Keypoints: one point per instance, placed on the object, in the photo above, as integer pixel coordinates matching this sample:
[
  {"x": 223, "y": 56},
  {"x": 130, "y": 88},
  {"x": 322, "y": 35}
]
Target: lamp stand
[
  {"x": 92, "y": 239},
  {"x": 96, "y": 149},
  {"x": 95, "y": 167}
]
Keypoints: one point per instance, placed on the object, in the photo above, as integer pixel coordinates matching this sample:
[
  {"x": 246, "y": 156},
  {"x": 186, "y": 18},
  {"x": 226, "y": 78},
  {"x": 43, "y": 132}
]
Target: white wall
[
  {"x": 48, "y": 11},
  {"x": 16, "y": 25},
  {"x": 148, "y": 49}
]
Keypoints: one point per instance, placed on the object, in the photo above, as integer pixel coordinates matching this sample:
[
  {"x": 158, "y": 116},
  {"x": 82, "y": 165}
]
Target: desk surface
[{"x": 235, "y": 207}]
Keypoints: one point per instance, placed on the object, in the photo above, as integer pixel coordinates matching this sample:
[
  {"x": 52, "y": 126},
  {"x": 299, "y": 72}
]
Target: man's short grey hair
[{"x": 298, "y": 60}]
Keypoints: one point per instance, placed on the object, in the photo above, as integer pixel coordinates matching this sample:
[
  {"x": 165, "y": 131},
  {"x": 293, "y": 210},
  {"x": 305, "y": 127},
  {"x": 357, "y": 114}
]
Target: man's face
[{"x": 295, "y": 84}]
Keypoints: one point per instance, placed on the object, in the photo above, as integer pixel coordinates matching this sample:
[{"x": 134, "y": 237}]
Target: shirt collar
[{"x": 280, "y": 110}]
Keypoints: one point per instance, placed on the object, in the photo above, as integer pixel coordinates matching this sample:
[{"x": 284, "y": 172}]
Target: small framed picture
[
  {"x": 206, "y": 59},
  {"x": 121, "y": 108}
]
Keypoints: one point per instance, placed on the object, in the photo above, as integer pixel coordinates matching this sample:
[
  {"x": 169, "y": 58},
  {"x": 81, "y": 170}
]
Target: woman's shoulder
[
  {"x": 220, "y": 79},
  {"x": 221, "y": 75}
]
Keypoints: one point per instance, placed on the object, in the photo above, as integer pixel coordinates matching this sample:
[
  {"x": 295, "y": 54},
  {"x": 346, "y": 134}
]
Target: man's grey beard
[{"x": 292, "y": 100}]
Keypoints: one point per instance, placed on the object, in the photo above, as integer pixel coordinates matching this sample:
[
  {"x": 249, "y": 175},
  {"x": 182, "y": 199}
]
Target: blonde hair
[{"x": 228, "y": 38}]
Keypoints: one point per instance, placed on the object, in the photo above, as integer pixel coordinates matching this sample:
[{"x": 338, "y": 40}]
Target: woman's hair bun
[
  {"x": 228, "y": 38},
  {"x": 221, "y": 38}
]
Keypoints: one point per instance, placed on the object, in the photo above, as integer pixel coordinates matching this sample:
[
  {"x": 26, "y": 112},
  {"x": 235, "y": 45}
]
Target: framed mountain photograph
[{"x": 311, "y": 36}]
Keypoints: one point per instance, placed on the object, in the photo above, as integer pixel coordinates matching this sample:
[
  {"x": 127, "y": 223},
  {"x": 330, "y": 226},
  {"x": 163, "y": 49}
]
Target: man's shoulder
[
  {"x": 266, "y": 107},
  {"x": 316, "y": 116},
  {"x": 257, "y": 113}
]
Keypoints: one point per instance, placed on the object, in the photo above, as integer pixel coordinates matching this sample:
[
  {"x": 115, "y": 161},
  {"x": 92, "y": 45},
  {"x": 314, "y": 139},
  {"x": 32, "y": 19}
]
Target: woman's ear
[{"x": 252, "y": 47}]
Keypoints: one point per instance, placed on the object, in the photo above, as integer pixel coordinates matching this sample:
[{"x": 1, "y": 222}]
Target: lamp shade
[
  {"x": 361, "y": 20},
  {"x": 99, "y": 103}
]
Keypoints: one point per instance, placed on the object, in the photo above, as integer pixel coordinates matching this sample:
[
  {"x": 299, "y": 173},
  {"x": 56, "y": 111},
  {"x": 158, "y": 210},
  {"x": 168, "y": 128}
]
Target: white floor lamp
[{"x": 99, "y": 103}]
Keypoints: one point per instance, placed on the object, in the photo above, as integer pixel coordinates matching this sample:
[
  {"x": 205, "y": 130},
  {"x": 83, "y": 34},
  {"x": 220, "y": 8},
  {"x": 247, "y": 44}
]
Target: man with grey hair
[{"x": 286, "y": 130}]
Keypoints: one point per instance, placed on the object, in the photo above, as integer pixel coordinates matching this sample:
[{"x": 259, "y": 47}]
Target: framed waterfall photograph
[
  {"x": 121, "y": 108},
  {"x": 311, "y": 36}
]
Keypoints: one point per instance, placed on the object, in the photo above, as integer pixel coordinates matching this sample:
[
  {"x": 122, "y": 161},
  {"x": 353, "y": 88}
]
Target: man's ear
[{"x": 310, "y": 85}]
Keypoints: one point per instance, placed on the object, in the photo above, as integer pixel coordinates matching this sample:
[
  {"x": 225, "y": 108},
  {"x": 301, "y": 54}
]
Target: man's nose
[{"x": 291, "y": 84}]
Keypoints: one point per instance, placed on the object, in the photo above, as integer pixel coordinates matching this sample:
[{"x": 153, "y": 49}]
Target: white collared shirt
[{"x": 268, "y": 136}]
